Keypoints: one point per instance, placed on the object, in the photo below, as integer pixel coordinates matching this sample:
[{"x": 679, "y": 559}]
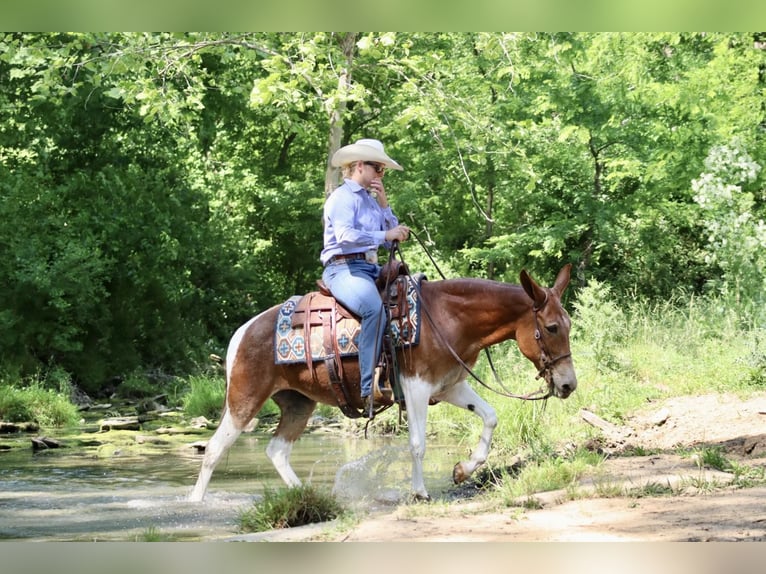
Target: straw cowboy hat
[{"x": 363, "y": 150}]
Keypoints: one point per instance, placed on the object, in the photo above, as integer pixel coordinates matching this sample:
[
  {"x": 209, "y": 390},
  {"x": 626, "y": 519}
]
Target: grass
[
  {"x": 544, "y": 475},
  {"x": 290, "y": 507},
  {"x": 627, "y": 354},
  {"x": 32, "y": 401},
  {"x": 154, "y": 534},
  {"x": 711, "y": 457},
  {"x": 205, "y": 396}
]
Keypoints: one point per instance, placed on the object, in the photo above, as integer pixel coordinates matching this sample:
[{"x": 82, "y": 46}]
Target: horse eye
[{"x": 552, "y": 329}]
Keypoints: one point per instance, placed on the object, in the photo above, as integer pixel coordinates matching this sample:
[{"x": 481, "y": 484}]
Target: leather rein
[{"x": 548, "y": 363}]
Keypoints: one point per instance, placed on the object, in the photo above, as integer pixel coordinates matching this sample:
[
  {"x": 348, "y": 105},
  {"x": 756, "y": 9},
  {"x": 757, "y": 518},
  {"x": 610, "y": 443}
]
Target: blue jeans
[{"x": 352, "y": 282}]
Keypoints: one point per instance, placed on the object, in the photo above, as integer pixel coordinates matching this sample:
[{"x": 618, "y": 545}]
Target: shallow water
[{"x": 70, "y": 494}]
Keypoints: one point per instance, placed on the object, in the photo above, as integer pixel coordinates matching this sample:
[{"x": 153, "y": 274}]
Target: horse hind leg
[
  {"x": 296, "y": 409},
  {"x": 463, "y": 396}
]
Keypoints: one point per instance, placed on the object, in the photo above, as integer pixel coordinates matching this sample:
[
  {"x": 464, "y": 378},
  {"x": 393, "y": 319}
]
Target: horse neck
[{"x": 485, "y": 311}]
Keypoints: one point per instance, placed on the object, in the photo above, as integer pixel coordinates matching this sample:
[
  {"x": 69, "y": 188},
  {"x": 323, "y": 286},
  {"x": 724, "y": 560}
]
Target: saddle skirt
[{"x": 305, "y": 323}]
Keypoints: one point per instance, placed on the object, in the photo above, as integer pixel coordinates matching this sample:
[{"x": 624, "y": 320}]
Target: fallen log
[{"x": 616, "y": 435}]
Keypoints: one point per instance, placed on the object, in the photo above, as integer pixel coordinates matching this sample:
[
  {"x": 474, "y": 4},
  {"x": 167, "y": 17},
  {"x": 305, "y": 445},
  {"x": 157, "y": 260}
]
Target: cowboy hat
[{"x": 363, "y": 150}]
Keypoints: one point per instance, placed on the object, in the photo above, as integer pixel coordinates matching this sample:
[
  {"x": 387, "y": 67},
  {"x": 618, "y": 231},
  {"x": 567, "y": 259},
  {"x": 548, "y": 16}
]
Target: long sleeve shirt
[{"x": 354, "y": 222}]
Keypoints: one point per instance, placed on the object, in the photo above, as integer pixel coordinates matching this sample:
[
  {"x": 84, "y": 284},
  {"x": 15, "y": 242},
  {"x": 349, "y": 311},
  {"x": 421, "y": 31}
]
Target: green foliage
[
  {"x": 736, "y": 238},
  {"x": 755, "y": 362},
  {"x": 158, "y": 189},
  {"x": 204, "y": 397},
  {"x": 290, "y": 507},
  {"x": 599, "y": 323},
  {"x": 34, "y": 402}
]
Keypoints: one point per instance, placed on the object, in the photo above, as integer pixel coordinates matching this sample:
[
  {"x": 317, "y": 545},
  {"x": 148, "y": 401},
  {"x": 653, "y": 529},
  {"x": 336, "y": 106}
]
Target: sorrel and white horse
[{"x": 462, "y": 317}]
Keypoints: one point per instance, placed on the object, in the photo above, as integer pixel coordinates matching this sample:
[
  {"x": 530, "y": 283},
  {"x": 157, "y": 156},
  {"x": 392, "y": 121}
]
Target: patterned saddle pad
[{"x": 291, "y": 343}]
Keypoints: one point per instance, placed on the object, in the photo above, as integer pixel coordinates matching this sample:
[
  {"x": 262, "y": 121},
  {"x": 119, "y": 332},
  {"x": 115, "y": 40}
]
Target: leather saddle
[{"x": 320, "y": 308}]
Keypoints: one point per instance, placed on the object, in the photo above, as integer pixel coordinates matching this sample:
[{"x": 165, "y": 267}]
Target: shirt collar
[{"x": 352, "y": 185}]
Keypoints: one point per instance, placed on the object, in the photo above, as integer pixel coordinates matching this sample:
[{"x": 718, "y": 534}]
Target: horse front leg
[
  {"x": 463, "y": 396},
  {"x": 417, "y": 392}
]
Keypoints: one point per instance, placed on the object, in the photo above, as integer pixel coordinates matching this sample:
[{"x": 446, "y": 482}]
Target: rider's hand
[{"x": 399, "y": 233}]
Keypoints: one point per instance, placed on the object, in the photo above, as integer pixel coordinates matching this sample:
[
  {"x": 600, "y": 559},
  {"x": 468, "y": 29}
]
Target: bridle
[{"x": 548, "y": 363}]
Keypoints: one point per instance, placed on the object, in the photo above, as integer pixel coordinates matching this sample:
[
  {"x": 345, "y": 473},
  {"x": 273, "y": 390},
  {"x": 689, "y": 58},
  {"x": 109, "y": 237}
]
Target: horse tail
[{"x": 220, "y": 364}]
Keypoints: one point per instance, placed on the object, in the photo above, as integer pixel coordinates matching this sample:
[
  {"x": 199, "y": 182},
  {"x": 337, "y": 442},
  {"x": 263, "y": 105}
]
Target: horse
[{"x": 462, "y": 317}]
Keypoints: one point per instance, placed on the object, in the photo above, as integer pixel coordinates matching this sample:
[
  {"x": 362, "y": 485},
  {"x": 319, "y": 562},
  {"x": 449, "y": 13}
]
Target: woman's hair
[{"x": 348, "y": 169}]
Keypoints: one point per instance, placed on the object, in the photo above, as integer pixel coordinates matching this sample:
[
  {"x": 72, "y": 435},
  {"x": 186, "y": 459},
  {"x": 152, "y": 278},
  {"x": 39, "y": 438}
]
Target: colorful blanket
[{"x": 290, "y": 343}]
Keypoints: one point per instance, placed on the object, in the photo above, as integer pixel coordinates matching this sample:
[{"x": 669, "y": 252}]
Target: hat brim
[{"x": 360, "y": 152}]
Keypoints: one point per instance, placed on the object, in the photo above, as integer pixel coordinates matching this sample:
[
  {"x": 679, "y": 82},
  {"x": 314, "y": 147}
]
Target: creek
[{"x": 87, "y": 492}]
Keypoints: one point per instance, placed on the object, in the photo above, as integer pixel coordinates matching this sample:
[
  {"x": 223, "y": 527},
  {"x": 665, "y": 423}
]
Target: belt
[{"x": 346, "y": 256}]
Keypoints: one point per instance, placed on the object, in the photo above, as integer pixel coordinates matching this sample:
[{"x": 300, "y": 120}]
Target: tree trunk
[{"x": 332, "y": 175}]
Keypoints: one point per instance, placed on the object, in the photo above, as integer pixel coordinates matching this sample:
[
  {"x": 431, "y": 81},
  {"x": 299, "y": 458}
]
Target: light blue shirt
[{"x": 354, "y": 222}]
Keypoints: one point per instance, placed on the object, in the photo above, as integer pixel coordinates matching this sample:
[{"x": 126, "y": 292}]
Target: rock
[
  {"x": 120, "y": 423},
  {"x": 9, "y": 428},
  {"x": 80, "y": 398},
  {"x": 199, "y": 423},
  {"x": 200, "y": 446},
  {"x": 146, "y": 439},
  {"x": 44, "y": 443}
]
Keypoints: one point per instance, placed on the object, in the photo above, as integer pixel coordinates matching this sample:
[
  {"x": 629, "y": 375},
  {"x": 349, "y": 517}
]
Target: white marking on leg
[
  {"x": 279, "y": 451},
  {"x": 416, "y": 394},
  {"x": 463, "y": 396},
  {"x": 227, "y": 431},
  {"x": 219, "y": 443}
]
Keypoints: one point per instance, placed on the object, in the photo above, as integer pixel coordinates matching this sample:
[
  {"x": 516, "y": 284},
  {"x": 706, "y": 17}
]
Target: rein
[{"x": 544, "y": 373}]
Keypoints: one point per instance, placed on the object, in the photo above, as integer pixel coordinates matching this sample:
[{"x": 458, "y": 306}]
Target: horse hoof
[
  {"x": 417, "y": 497},
  {"x": 458, "y": 474}
]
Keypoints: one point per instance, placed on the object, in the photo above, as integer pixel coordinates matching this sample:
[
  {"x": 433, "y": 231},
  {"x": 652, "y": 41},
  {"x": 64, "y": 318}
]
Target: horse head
[{"x": 543, "y": 337}]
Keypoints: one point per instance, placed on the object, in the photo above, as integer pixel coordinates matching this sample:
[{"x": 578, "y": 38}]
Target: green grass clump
[
  {"x": 545, "y": 475},
  {"x": 33, "y": 402},
  {"x": 290, "y": 507},
  {"x": 205, "y": 397},
  {"x": 154, "y": 534}
]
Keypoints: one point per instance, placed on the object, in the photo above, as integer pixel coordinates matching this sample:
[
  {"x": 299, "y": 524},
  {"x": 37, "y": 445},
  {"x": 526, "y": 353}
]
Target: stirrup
[{"x": 381, "y": 396}]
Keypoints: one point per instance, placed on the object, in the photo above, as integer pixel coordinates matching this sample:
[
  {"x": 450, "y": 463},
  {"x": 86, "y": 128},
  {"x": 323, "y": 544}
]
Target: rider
[{"x": 357, "y": 220}]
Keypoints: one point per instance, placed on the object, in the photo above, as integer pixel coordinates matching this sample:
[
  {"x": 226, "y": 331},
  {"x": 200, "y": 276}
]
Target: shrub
[{"x": 34, "y": 403}]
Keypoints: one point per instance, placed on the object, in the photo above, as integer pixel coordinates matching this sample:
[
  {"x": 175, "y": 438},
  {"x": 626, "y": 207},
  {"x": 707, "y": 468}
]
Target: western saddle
[{"x": 320, "y": 308}]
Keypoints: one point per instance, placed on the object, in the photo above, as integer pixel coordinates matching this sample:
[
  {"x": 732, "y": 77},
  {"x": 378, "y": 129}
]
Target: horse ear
[
  {"x": 562, "y": 280},
  {"x": 535, "y": 292}
]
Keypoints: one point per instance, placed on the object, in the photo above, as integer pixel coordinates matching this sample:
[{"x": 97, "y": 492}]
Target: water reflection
[{"x": 65, "y": 495}]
